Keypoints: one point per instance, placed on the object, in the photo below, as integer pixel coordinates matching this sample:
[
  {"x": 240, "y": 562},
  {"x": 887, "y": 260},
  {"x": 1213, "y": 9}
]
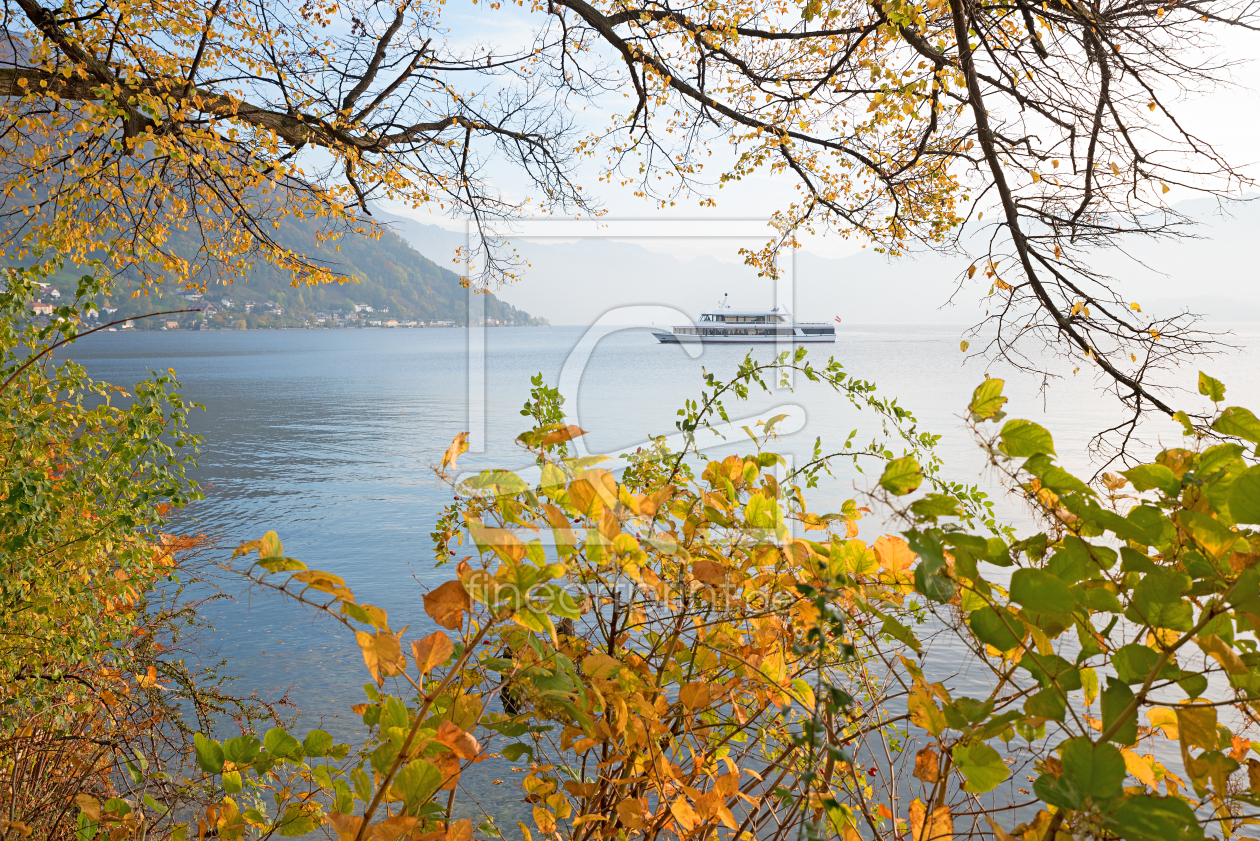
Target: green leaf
[
  {"x": 898, "y": 631},
  {"x": 933, "y": 506},
  {"x": 1147, "y": 476},
  {"x": 1244, "y": 497},
  {"x": 1240, "y": 423},
  {"x": 1115, "y": 701},
  {"x": 987, "y": 400},
  {"x": 1041, "y": 592},
  {"x": 1050, "y": 669},
  {"x": 930, "y": 576},
  {"x": 232, "y": 782},
  {"x": 1157, "y": 601},
  {"x": 901, "y": 476},
  {"x": 1089, "y": 771},
  {"x": 280, "y": 743},
  {"x": 516, "y": 750},
  {"x": 1150, "y": 522},
  {"x": 1144, "y": 817},
  {"x": 988, "y": 626},
  {"x": 148, "y": 800},
  {"x": 299, "y": 819},
  {"x": 982, "y": 766},
  {"x": 209, "y": 754},
  {"x": 270, "y": 546},
  {"x": 317, "y": 743},
  {"x": 418, "y": 780},
  {"x": 1133, "y": 663},
  {"x": 1048, "y": 704},
  {"x": 1211, "y": 387},
  {"x": 241, "y": 750},
  {"x": 1023, "y": 438}
]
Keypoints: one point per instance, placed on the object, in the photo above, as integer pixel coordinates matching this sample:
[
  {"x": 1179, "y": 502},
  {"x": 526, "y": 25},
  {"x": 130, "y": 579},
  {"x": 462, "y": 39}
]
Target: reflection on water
[{"x": 328, "y": 438}]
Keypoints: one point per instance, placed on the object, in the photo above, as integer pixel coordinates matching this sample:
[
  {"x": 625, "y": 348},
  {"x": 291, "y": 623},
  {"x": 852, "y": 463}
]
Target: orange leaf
[
  {"x": 584, "y": 497},
  {"x": 631, "y": 814},
  {"x": 567, "y": 433},
  {"x": 694, "y": 695},
  {"x": 893, "y": 553},
  {"x": 938, "y": 826},
  {"x": 713, "y": 574},
  {"x": 461, "y": 742},
  {"x": 460, "y": 831},
  {"x": 346, "y": 826},
  {"x": 447, "y": 604},
  {"x": 432, "y": 651},
  {"x": 927, "y": 765},
  {"x": 392, "y": 829}
]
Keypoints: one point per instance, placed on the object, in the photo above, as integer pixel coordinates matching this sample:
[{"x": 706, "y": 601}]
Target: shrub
[{"x": 664, "y": 657}]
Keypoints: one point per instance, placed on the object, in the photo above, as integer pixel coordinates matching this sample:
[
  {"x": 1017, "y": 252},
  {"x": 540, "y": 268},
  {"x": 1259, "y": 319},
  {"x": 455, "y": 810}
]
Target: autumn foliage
[
  {"x": 689, "y": 652},
  {"x": 98, "y": 686}
]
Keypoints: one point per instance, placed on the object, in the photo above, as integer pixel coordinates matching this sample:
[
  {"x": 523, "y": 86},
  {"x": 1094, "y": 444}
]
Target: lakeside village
[{"x": 229, "y": 314}]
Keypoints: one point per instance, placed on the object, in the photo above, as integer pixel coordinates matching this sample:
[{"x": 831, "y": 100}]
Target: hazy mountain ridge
[{"x": 391, "y": 274}]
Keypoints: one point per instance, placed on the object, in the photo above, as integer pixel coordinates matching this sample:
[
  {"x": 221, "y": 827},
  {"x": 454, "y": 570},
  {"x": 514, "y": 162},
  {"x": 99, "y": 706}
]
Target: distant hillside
[{"x": 395, "y": 280}]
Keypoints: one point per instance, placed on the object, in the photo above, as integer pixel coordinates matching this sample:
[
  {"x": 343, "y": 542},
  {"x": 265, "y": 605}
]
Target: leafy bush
[
  {"x": 92, "y": 618},
  {"x": 664, "y": 657}
]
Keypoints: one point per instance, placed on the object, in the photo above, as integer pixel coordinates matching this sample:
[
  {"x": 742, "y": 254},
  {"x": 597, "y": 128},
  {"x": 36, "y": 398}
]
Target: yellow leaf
[
  {"x": 1036, "y": 177},
  {"x": 382, "y": 653},
  {"x": 544, "y": 820},
  {"x": 963, "y": 345},
  {"x": 1139, "y": 768},
  {"x": 89, "y": 805},
  {"x": 971, "y": 271},
  {"x": 446, "y": 605},
  {"x": 1135, "y": 307},
  {"x": 938, "y": 826},
  {"x": 1151, "y": 104},
  {"x": 1077, "y": 307},
  {"x": 1164, "y": 719},
  {"x": 1197, "y": 723},
  {"x": 1165, "y": 186},
  {"x": 432, "y": 651},
  {"x": 1002, "y": 284},
  {"x": 458, "y": 447},
  {"x": 685, "y": 815},
  {"x": 1219, "y": 650},
  {"x": 1115, "y": 169}
]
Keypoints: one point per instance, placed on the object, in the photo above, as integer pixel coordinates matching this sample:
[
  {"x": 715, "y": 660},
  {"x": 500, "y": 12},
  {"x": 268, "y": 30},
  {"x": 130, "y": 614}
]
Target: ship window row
[
  {"x": 735, "y": 331},
  {"x": 744, "y": 319}
]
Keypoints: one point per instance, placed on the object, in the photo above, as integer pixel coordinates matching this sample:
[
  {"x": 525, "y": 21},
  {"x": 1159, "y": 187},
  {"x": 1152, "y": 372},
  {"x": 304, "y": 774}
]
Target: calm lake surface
[{"x": 328, "y": 437}]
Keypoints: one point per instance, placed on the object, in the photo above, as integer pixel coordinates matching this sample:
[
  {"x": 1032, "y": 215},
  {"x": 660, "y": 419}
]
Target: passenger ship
[{"x": 727, "y": 326}]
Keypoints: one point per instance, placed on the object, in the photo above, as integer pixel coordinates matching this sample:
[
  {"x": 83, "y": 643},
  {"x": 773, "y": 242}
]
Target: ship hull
[{"x": 689, "y": 339}]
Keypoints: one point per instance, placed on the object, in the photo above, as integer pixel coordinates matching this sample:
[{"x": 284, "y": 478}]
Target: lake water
[{"x": 328, "y": 437}]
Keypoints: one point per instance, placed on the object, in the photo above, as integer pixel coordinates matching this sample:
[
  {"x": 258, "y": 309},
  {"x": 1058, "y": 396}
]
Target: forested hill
[{"x": 395, "y": 280}]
